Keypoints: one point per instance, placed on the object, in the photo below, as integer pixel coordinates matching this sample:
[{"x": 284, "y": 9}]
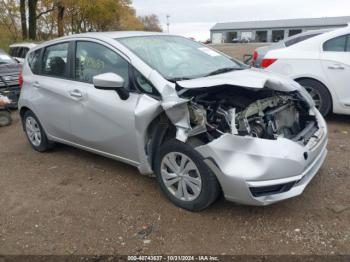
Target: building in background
[{"x": 271, "y": 30}]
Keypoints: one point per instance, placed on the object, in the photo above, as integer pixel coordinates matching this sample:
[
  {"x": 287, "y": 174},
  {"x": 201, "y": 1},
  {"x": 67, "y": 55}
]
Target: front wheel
[
  {"x": 319, "y": 93},
  {"x": 184, "y": 178}
]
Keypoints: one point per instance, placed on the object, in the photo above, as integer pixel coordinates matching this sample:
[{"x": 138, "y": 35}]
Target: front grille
[{"x": 271, "y": 190}]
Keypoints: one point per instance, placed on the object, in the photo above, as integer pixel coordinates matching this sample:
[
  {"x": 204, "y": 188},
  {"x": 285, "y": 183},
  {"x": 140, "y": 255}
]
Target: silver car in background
[{"x": 201, "y": 121}]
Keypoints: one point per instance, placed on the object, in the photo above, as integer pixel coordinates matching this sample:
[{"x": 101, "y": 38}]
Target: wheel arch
[
  {"x": 321, "y": 83},
  {"x": 159, "y": 130}
]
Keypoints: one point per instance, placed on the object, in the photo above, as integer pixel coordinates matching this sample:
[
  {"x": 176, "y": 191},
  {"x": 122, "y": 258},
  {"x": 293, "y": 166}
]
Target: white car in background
[
  {"x": 322, "y": 65},
  {"x": 19, "y": 50}
]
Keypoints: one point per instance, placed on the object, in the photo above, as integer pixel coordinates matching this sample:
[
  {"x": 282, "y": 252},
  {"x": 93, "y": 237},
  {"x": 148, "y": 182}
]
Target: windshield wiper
[
  {"x": 175, "y": 79},
  {"x": 222, "y": 70}
]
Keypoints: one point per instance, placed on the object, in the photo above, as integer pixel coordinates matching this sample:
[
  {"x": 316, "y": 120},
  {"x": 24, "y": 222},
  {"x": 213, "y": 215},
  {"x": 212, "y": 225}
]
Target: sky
[{"x": 194, "y": 18}]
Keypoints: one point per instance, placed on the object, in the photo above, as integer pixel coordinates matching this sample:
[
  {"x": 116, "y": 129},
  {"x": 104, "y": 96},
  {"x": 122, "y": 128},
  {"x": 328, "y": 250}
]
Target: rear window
[
  {"x": 299, "y": 39},
  {"x": 33, "y": 61}
]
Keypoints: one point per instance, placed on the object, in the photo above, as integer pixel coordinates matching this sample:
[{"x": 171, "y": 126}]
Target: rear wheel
[
  {"x": 5, "y": 118},
  {"x": 184, "y": 178},
  {"x": 35, "y": 133},
  {"x": 319, "y": 94}
]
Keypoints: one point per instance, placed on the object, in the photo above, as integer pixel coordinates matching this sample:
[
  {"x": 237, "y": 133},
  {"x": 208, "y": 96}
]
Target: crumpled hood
[{"x": 250, "y": 78}]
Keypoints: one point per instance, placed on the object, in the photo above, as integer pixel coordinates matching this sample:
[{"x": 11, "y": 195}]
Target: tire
[
  {"x": 319, "y": 93},
  {"x": 35, "y": 133},
  {"x": 5, "y": 118},
  {"x": 197, "y": 179}
]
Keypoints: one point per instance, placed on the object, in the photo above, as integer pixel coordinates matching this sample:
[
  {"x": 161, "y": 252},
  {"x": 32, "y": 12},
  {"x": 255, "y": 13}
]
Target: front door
[{"x": 100, "y": 120}]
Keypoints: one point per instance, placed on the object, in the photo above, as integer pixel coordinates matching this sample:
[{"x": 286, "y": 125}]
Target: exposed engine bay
[{"x": 263, "y": 114}]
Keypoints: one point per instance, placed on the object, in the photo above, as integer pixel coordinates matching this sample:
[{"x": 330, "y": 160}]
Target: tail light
[
  {"x": 255, "y": 57},
  {"x": 266, "y": 62},
  {"x": 20, "y": 80}
]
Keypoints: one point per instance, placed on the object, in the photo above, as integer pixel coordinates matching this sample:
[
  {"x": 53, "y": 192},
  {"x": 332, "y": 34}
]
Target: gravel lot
[{"x": 72, "y": 202}]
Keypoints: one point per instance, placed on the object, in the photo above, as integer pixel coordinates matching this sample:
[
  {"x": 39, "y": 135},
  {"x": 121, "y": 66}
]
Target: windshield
[
  {"x": 6, "y": 59},
  {"x": 178, "y": 58}
]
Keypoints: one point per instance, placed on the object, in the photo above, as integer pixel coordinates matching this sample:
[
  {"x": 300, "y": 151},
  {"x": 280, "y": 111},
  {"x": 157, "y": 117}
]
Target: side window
[
  {"x": 20, "y": 52},
  {"x": 348, "y": 44},
  {"x": 25, "y": 51},
  {"x": 12, "y": 51},
  {"x": 143, "y": 84},
  {"x": 93, "y": 59},
  {"x": 337, "y": 44},
  {"x": 55, "y": 60},
  {"x": 33, "y": 61}
]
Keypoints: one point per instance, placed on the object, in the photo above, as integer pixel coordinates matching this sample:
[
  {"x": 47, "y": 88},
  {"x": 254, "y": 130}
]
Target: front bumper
[{"x": 280, "y": 168}]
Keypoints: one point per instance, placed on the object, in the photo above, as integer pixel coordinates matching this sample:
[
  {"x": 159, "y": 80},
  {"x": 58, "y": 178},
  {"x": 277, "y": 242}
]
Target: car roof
[
  {"x": 30, "y": 45},
  {"x": 105, "y": 36},
  {"x": 115, "y": 34},
  {"x": 282, "y": 43}
]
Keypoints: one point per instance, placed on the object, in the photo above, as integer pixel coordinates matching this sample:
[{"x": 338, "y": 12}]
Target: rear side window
[
  {"x": 54, "y": 61},
  {"x": 338, "y": 44},
  {"x": 20, "y": 52},
  {"x": 299, "y": 39},
  {"x": 24, "y": 52},
  {"x": 33, "y": 61},
  {"x": 13, "y": 51}
]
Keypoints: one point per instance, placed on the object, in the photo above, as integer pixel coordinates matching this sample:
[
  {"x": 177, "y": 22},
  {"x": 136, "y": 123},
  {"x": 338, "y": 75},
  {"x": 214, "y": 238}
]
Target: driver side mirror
[{"x": 111, "y": 81}]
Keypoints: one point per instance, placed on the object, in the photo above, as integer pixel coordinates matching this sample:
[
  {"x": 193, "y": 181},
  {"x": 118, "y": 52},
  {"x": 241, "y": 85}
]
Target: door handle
[
  {"x": 336, "y": 67},
  {"x": 76, "y": 93},
  {"x": 36, "y": 84}
]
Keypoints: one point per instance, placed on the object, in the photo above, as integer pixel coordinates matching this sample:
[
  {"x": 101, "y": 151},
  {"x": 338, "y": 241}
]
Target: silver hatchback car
[{"x": 203, "y": 122}]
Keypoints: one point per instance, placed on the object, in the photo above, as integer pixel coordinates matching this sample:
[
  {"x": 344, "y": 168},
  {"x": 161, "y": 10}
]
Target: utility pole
[{"x": 167, "y": 22}]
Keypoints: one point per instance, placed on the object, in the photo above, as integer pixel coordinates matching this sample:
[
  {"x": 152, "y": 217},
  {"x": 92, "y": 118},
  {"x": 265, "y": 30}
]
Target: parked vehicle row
[
  {"x": 321, "y": 64},
  {"x": 9, "y": 78},
  {"x": 202, "y": 122}
]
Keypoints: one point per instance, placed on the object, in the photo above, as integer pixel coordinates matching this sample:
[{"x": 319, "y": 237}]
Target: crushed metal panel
[{"x": 147, "y": 108}]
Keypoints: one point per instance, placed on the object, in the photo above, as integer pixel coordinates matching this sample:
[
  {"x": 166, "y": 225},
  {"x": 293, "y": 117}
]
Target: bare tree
[
  {"x": 60, "y": 15},
  {"x": 33, "y": 16},
  {"x": 151, "y": 23},
  {"x": 22, "y": 9}
]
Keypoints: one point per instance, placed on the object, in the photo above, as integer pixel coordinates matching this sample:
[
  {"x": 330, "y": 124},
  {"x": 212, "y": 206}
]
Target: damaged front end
[
  {"x": 264, "y": 144},
  {"x": 263, "y": 113}
]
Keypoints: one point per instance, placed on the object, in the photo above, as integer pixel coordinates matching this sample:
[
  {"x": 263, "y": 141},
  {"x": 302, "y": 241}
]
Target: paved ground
[{"x": 72, "y": 202}]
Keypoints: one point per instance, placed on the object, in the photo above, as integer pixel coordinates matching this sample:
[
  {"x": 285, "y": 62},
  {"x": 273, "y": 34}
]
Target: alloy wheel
[
  {"x": 181, "y": 176},
  {"x": 33, "y": 131}
]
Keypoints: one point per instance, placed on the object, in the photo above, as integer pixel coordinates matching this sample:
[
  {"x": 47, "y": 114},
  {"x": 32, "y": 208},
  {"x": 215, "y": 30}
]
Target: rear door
[
  {"x": 51, "y": 87},
  {"x": 335, "y": 56}
]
